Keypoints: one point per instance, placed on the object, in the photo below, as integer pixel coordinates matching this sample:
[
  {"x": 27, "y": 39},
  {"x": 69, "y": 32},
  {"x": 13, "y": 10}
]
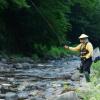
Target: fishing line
[{"x": 46, "y": 20}]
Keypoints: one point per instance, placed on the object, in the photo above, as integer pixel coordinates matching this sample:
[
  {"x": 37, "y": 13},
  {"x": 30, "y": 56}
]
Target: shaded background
[{"x": 34, "y": 26}]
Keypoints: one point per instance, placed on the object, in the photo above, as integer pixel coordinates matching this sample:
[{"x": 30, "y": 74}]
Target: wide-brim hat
[{"x": 83, "y": 36}]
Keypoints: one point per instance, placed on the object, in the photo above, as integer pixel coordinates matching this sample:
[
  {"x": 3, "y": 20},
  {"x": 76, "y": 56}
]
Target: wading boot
[{"x": 87, "y": 76}]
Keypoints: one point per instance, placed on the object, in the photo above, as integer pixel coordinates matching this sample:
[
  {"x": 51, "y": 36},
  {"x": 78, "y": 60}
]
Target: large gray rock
[
  {"x": 28, "y": 60},
  {"x": 4, "y": 88},
  {"x": 75, "y": 76},
  {"x": 2, "y": 96},
  {"x": 3, "y": 65},
  {"x": 11, "y": 96},
  {"x": 26, "y": 65},
  {"x": 3, "y": 60},
  {"x": 64, "y": 76},
  {"x": 18, "y": 66},
  {"x": 66, "y": 96},
  {"x": 67, "y": 76},
  {"x": 22, "y": 65}
]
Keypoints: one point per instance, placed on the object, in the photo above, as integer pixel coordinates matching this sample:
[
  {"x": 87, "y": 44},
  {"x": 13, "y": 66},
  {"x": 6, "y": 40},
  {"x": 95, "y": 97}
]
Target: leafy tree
[
  {"x": 82, "y": 12},
  {"x": 26, "y": 26},
  {"x": 29, "y": 22}
]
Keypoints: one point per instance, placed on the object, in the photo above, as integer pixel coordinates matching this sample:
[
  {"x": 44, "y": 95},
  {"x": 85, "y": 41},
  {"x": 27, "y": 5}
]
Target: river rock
[
  {"x": 37, "y": 98},
  {"x": 18, "y": 66},
  {"x": 5, "y": 88},
  {"x": 22, "y": 95},
  {"x": 11, "y": 96},
  {"x": 22, "y": 59},
  {"x": 3, "y": 65},
  {"x": 2, "y": 96},
  {"x": 67, "y": 75},
  {"x": 27, "y": 59},
  {"x": 3, "y": 60},
  {"x": 26, "y": 65},
  {"x": 76, "y": 76},
  {"x": 66, "y": 96}
]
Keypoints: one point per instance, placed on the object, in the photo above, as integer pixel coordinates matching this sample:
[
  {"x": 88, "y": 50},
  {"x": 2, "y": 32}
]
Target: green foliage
[
  {"x": 3, "y": 4},
  {"x": 41, "y": 50},
  {"x": 21, "y": 3},
  {"x": 92, "y": 91},
  {"x": 27, "y": 23},
  {"x": 24, "y": 23},
  {"x": 55, "y": 11},
  {"x": 59, "y": 52},
  {"x": 96, "y": 67},
  {"x": 82, "y": 18},
  {"x": 35, "y": 57},
  {"x": 55, "y": 52}
]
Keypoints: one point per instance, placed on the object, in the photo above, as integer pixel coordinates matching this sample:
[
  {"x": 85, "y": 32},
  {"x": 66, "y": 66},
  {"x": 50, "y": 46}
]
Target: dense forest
[{"x": 34, "y": 26}]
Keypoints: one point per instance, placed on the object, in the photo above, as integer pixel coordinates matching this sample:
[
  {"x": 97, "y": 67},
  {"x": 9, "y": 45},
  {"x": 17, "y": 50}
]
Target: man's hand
[{"x": 66, "y": 47}]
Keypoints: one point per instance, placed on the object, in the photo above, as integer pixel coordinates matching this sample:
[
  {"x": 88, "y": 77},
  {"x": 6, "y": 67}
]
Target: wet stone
[
  {"x": 11, "y": 96},
  {"x": 23, "y": 95},
  {"x": 76, "y": 76},
  {"x": 66, "y": 96},
  {"x": 29, "y": 60},
  {"x": 37, "y": 98},
  {"x": 18, "y": 66},
  {"x": 67, "y": 75},
  {"x": 2, "y": 96},
  {"x": 26, "y": 65},
  {"x": 21, "y": 59},
  {"x": 5, "y": 88},
  {"x": 3, "y": 79},
  {"x": 3, "y": 60},
  {"x": 4, "y": 65}
]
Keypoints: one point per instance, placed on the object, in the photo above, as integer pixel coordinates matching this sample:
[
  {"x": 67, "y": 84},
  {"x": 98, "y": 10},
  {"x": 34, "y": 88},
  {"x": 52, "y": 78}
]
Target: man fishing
[{"x": 86, "y": 52}]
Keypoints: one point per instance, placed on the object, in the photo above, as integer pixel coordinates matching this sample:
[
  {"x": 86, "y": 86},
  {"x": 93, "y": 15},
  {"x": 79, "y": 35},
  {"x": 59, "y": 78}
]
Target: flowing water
[{"x": 36, "y": 81}]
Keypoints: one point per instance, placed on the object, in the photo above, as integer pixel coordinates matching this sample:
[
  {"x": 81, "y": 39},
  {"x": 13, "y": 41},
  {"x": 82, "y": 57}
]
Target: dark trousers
[{"x": 85, "y": 65}]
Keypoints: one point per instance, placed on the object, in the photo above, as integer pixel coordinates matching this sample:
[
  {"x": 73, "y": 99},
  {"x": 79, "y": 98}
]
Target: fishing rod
[{"x": 46, "y": 20}]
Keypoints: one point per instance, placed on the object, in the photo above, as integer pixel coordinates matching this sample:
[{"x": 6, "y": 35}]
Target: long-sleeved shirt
[{"x": 89, "y": 47}]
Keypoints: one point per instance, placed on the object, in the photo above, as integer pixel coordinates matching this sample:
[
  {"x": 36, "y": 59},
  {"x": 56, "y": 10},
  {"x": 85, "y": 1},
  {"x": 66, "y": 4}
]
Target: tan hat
[{"x": 83, "y": 36}]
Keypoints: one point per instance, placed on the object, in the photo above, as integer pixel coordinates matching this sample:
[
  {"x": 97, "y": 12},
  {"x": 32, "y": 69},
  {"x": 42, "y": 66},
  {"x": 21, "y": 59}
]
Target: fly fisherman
[{"x": 86, "y": 52}]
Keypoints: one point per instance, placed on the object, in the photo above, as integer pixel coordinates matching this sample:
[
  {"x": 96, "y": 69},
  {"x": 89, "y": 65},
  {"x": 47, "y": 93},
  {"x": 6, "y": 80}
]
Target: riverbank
[{"x": 44, "y": 53}]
